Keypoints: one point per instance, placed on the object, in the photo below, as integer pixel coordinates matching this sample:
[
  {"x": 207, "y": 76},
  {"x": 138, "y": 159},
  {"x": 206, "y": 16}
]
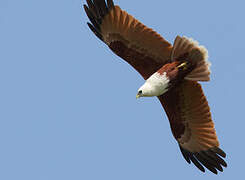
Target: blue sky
[{"x": 67, "y": 103}]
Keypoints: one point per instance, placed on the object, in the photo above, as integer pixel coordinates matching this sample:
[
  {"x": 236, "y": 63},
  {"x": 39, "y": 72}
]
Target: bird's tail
[{"x": 189, "y": 50}]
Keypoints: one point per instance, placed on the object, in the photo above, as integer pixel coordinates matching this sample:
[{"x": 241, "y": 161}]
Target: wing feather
[
  {"x": 187, "y": 107},
  {"x": 137, "y": 44}
]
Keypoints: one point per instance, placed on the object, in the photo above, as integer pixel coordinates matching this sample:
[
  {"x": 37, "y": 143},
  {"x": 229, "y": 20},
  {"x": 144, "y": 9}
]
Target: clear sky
[{"x": 67, "y": 103}]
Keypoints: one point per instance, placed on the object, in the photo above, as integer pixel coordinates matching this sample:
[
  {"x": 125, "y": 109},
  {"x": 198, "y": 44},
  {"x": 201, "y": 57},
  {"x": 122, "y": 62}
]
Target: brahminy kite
[{"x": 171, "y": 72}]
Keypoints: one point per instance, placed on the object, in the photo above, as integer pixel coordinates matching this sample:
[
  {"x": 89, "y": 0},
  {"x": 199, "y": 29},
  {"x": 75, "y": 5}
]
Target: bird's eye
[{"x": 140, "y": 92}]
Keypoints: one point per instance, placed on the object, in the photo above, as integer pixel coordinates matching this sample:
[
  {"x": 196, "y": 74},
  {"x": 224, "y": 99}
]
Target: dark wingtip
[
  {"x": 206, "y": 163},
  {"x": 92, "y": 28},
  {"x": 210, "y": 159},
  {"x": 96, "y": 10},
  {"x": 219, "y": 151},
  {"x": 185, "y": 155},
  {"x": 92, "y": 18},
  {"x": 110, "y": 4},
  {"x": 196, "y": 163}
]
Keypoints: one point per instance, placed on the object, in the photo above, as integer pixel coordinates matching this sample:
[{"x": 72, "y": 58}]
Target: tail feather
[{"x": 195, "y": 54}]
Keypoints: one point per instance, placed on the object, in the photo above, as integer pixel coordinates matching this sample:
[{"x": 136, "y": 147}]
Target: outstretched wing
[
  {"x": 137, "y": 44},
  {"x": 192, "y": 126}
]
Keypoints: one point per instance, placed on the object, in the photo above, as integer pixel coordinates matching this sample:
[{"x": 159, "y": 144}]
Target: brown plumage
[{"x": 184, "y": 63}]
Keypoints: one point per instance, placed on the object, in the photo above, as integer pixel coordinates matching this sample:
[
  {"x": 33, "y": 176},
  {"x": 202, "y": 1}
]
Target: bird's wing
[
  {"x": 192, "y": 126},
  {"x": 137, "y": 44}
]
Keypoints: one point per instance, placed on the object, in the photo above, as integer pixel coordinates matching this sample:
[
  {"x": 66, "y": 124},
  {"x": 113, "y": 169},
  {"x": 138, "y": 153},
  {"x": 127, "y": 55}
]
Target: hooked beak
[{"x": 139, "y": 94}]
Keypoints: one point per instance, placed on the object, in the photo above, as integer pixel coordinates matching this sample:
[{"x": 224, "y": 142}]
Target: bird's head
[
  {"x": 146, "y": 90},
  {"x": 155, "y": 85}
]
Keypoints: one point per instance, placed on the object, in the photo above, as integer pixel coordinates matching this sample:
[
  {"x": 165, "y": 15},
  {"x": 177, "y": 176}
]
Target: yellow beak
[{"x": 137, "y": 96}]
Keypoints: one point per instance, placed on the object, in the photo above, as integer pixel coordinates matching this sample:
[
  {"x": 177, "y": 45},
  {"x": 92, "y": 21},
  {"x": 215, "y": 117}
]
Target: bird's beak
[{"x": 137, "y": 96}]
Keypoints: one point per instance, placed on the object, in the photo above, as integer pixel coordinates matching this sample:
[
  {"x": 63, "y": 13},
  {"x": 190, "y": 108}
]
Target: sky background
[{"x": 67, "y": 103}]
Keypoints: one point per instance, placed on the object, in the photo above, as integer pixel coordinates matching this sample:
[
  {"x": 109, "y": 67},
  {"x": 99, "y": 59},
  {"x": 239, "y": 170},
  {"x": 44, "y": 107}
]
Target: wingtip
[
  {"x": 210, "y": 159},
  {"x": 185, "y": 155},
  {"x": 93, "y": 29},
  {"x": 85, "y": 7},
  {"x": 110, "y": 4},
  {"x": 96, "y": 10},
  {"x": 219, "y": 152}
]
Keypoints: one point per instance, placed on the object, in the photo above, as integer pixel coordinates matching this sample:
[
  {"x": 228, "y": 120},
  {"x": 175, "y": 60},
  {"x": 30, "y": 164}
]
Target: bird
[{"x": 172, "y": 73}]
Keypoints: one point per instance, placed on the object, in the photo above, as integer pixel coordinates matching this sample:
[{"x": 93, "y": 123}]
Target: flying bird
[{"x": 171, "y": 72}]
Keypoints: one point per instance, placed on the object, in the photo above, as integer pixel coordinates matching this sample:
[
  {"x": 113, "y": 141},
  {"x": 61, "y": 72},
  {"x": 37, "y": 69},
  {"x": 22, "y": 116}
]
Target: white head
[{"x": 155, "y": 85}]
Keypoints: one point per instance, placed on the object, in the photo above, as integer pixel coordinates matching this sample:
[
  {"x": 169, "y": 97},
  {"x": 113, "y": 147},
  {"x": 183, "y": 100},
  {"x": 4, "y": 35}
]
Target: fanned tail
[{"x": 191, "y": 51}]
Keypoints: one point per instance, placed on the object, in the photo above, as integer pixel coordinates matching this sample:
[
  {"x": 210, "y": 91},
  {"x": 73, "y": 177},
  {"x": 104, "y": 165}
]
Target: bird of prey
[{"x": 171, "y": 72}]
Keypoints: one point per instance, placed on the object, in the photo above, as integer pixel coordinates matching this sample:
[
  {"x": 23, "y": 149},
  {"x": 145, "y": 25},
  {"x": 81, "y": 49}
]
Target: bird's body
[{"x": 171, "y": 73}]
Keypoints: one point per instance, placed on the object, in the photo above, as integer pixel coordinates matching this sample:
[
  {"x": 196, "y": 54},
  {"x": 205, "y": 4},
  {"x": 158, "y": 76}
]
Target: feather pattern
[
  {"x": 123, "y": 34},
  {"x": 192, "y": 126},
  {"x": 189, "y": 50}
]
